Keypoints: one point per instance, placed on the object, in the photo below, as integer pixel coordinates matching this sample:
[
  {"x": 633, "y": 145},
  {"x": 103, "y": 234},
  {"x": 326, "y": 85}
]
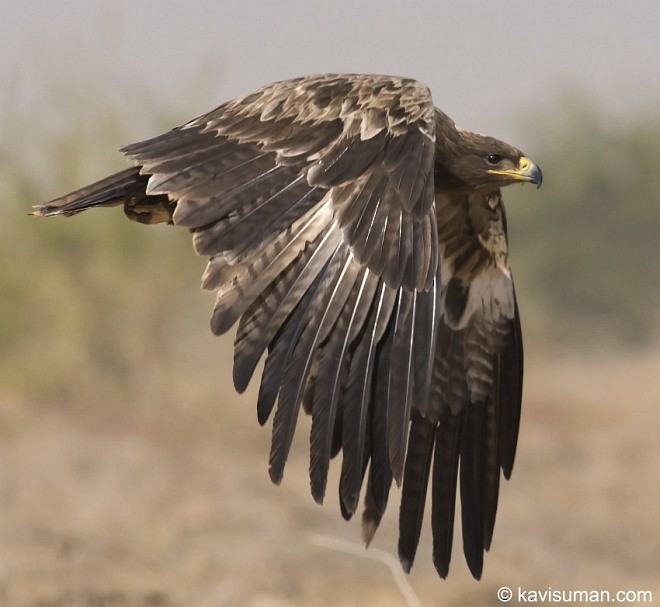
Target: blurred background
[{"x": 131, "y": 474}]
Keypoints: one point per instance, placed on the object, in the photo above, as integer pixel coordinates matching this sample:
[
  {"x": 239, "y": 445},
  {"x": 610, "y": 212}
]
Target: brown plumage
[{"x": 358, "y": 237}]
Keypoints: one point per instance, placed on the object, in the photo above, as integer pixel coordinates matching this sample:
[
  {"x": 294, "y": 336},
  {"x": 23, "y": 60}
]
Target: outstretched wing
[
  {"x": 314, "y": 200},
  {"x": 469, "y": 432}
]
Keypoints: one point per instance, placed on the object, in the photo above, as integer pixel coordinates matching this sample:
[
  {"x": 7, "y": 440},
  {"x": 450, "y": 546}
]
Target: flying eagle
[{"x": 357, "y": 235}]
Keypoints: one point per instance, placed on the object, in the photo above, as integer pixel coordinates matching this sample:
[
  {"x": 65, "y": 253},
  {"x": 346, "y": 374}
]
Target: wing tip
[
  {"x": 241, "y": 378},
  {"x": 368, "y": 531},
  {"x": 276, "y": 474},
  {"x": 441, "y": 566},
  {"x": 476, "y": 565},
  {"x": 318, "y": 487},
  {"x": 406, "y": 563}
]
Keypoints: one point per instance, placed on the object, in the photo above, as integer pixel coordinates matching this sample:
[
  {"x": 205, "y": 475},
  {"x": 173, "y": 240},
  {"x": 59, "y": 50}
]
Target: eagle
[{"x": 357, "y": 236}]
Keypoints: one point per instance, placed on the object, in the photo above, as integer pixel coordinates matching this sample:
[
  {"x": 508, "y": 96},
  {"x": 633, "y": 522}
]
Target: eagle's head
[{"x": 474, "y": 161}]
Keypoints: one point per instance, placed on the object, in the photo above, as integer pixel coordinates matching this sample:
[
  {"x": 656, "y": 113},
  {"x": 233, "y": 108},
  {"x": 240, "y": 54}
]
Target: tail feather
[{"x": 127, "y": 187}]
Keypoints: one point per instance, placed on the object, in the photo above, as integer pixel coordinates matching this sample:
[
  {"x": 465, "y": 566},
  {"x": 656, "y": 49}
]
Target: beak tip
[{"x": 535, "y": 175}]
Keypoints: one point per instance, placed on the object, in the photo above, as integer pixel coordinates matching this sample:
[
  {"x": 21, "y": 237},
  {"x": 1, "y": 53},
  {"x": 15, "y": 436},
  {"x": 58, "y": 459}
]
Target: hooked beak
[{"x": 525, "y": 171}]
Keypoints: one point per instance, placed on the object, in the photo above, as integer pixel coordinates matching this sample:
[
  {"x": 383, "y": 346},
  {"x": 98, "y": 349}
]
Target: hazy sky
[{"x": 486, "y": 62}]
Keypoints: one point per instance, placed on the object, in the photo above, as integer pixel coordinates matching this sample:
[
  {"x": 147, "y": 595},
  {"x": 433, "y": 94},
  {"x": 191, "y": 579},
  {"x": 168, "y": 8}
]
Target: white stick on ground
[{"x": 374, "y": 554}]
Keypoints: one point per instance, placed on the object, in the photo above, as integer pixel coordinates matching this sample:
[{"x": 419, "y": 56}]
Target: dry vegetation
[{"x": 132, "y": 475}]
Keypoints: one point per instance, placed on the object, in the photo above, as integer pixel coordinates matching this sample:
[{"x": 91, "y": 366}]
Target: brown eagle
[{"x": 357, "y": 235}]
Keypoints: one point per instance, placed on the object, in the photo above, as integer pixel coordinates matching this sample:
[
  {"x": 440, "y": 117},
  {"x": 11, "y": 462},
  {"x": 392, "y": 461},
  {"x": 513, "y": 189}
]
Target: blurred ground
[{"x": 165, "y": 501}]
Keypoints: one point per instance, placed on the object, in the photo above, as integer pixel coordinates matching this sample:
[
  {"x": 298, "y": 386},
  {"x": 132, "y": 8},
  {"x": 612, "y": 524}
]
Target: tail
[{"x": 128, "y": 187}]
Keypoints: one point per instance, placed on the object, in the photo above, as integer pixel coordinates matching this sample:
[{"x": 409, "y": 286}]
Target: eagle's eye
[{"x": 494, "y": 158}]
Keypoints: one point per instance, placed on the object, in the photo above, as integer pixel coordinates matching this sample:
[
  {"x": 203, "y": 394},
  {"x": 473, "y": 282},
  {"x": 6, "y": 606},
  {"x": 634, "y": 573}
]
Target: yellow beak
[{"x": 525, "y": 171}]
